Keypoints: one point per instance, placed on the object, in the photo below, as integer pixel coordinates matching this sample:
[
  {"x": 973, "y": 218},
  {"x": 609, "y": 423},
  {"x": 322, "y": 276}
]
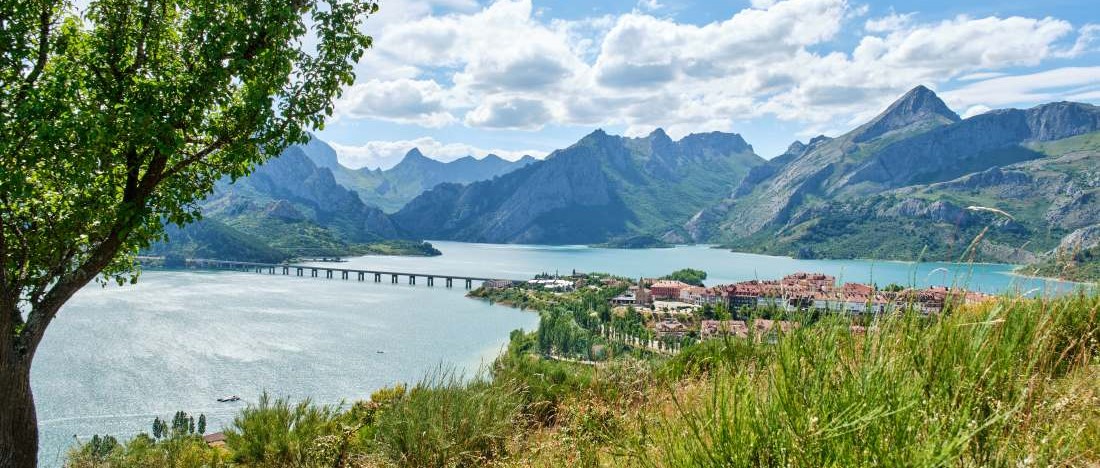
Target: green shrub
[
  {"x": 178, "y": 451},
  {"x": 447, "y": 422},
  {"x": 275, "y": 433}
]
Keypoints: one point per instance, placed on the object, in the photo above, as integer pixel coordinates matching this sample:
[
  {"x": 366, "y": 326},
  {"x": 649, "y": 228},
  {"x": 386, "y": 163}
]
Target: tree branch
[
  {"x": 45, "y": 20},
  {"x": 139, "y": 55},
  {"x": 130, "y": 212}
]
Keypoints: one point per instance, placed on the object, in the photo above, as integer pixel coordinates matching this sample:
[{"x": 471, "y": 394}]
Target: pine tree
[{"x": 202, "y": 424}]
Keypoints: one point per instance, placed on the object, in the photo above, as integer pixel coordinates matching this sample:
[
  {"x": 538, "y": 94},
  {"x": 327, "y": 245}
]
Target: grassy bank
[
  {"x": 1008, "y": 382},
  {"x": 1081, "y": 266}
]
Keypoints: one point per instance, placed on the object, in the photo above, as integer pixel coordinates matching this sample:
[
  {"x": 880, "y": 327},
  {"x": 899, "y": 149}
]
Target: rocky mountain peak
[
  {"x": 658, "y": 134},
  {"x": 596, "y": 136},
  {"x": 414, "y": 159},
  {"x": 718, "y": 142},
  {"x": 796, "y": 148},
  {"x": 414, "y": 154},
  {"x": 918, "y": 106}
]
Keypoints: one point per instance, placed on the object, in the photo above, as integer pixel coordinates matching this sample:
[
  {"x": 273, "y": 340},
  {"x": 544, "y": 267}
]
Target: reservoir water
[{"x": 116, "y": 357}]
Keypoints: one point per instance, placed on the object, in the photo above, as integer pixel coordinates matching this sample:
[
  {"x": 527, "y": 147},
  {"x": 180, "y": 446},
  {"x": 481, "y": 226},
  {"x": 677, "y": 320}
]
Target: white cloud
[
  {"x": 892, "y": 22},
  {"x": 385, "y": 154},
  {"x": 1088, "y": 34},
  {"x": 401, "y": 100},
  {"x": 964, "y": 44},
  {"x": 501, "y": 48},
  {"x": 649, "y": 5},
  {"x": 510, "y": 113},
  {"x": 505, "y": 66},
  {"x": 1026, "y": 89},
  {"x": 976, "y": 110},
  {"x": 980, "y": 76}
]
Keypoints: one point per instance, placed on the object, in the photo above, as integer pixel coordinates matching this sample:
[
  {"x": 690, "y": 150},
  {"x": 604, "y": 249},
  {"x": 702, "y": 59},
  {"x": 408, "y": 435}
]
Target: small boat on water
[{"x": 229, "y": 399}]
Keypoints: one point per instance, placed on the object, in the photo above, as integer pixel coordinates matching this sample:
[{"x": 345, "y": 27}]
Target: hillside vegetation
[
  {"x": 288, "y": 207},
  {"x": 903, "y": 185},
  {"x": 1008, "y": 382}
]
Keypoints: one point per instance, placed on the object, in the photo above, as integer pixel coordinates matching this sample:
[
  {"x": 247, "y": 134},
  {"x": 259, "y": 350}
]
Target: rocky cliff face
[
  {"x": 296, "y": 180},
  {"x": 978, "y": 143},
  {"x": 914, "y": 170},
  {"x": 920, "y": 108},
  {"x": 1081, "y": 239},
  {"x": 601, "y": 187}
]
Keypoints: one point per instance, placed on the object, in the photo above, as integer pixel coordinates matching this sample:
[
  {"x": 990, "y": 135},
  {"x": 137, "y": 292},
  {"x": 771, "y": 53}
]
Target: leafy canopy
[{"x": 119, "y": 118}]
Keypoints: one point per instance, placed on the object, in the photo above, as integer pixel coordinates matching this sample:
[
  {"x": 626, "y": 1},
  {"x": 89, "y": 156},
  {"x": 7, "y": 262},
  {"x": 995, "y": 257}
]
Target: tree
[
  {"x": 158, "y": 429},
  {"x": 688, "y": 275},
  {"x": 202, "y": 424},
  {"x": 118, "y": 119}
]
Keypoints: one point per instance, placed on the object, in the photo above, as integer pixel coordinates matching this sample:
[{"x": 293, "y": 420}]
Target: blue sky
[{"x": 514, "y": 77}]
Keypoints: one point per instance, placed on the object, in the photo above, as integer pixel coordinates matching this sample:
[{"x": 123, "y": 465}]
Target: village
[{"x": 674, "y": 309}]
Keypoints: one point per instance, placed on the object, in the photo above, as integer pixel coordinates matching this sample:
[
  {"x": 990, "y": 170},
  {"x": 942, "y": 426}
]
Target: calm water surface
[
  {"x": 118, "y": 356},
  {"x": 722, "y": 266}
]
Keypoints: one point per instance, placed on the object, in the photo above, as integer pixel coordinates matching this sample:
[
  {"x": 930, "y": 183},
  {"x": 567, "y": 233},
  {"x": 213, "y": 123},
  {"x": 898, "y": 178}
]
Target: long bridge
[{"x": 288, "y": 269}]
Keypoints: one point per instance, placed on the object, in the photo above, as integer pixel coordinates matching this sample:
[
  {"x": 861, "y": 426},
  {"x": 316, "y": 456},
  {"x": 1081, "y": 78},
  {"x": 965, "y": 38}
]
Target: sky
[{"x": 515, "y": 77}]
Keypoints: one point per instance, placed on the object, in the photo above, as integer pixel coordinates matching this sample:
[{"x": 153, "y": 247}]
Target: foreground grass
[
  {"x": 1005, "y": 384},
  {"x": 1011, "y": 382}
]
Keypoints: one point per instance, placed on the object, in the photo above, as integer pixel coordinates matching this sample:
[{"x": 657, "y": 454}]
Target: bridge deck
[{"x": 205, "y": 262}]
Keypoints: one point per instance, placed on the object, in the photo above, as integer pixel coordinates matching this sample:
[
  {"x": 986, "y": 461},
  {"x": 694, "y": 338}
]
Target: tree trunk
[{"x": 18, "y": 422}]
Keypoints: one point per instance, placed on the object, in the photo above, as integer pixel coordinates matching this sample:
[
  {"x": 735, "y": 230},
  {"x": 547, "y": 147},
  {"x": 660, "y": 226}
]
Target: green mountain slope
[
  {"x": 288, "y": 207},
  {"x": 904, "y": 193},
  {"x": 210, "y": 238},
  {"x": 602, "y": 187}
]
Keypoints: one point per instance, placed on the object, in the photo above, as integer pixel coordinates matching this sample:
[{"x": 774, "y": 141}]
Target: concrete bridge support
[{"x": 314, "y": 272}]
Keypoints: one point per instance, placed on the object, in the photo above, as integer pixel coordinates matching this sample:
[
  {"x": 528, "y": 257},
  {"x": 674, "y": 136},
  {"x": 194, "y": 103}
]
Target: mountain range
[
  {"x": 915, "y": 182},
  {"x": 392, "y": 188},
  {"x": 304, "y": 203},
  {"x": 288, "y": 207},
  {"x": 599, "y": 188},
  {"x": 908, "y": 183}
]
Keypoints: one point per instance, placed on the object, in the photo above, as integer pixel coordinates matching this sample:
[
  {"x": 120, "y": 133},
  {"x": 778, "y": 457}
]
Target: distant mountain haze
[
  {"x": 601, "y": 187},
  {"x": 391, "y": 188},
  {"x": 896, "y": 187}
]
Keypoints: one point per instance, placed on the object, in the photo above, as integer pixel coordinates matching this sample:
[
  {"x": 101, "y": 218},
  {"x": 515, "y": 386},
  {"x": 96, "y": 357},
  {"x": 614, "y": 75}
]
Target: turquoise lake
[{"x": 116, "y": 357}]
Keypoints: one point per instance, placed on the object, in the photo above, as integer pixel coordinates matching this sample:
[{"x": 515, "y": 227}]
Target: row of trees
[{"x": 182, "y": 424}]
